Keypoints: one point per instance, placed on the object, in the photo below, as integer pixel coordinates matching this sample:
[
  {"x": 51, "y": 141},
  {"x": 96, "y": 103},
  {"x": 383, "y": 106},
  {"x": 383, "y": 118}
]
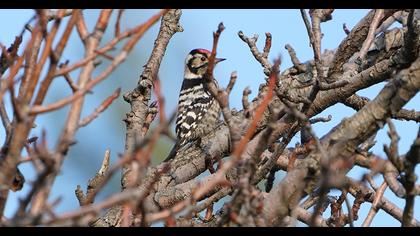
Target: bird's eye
[{"x": 203, "y": 59}]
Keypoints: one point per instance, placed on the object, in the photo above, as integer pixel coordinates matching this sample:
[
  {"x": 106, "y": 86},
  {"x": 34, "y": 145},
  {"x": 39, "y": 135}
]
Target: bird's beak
[{"x": 217, "y": 60}]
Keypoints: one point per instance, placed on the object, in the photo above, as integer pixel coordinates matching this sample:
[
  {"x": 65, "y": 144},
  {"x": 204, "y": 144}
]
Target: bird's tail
[{"x": 173, "y": 152}]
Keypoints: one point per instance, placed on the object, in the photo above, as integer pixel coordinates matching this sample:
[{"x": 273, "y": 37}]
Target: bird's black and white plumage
[{"x": 198, "y": 110}]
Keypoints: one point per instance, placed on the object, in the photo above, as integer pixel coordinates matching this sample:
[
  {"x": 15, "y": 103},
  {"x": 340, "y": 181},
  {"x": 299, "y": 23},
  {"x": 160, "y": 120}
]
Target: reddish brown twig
[
  {"x": 117, "y": 198},
  {"x": 212, "y": 58},
  {"x": 267, "y": 45},
  {"x": 209, "y": 212},
  {"x": 68, "y": 79},
  {"x": 160, "y": 101},
  {"x": 104, "y": 105},
  {"x": 109, "y": 57},
  {"x": 117, "y": 60},
  {"x": 17, "y": 110},
  {"x": 82, "y": 28},
  {"x": 9, "y": 81},
  {"x": 118, "y": 22},
  {"x": 139, "y": 30},
  {"x": 71, "y": 125},
  {"x": 138, "y": 34},
  {"x": 125, "y": 221},
  {"x": 258, "y": 114},
  {"x": 33, "y": 81},
  {"x": 55, "y": 56}
]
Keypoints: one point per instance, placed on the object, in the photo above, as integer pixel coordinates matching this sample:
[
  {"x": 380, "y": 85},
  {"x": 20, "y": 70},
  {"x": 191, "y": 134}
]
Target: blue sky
[{"x": 286, "y": 26}]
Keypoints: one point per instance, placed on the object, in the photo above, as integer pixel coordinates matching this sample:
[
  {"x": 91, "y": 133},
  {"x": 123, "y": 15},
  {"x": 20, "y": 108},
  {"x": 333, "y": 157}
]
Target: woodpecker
[{"x": 198, "y": 110}]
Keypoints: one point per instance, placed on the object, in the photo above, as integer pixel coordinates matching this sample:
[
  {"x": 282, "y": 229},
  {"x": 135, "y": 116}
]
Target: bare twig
[
  {"x": 118, "y": 22},
  {"x": 233, "y": 77},
  {"x": 8, "y": 56},
  {"x": 320, "y": 119},
  {"x": 139, "y": 30},
  {"x": 104, "y": 105},
  {"x": 54, "y": 14},
  {"x": 151, "y": 115},
  {"x": 71, "y": 124},
  {"x": 91, "y": 210},
  {"x": 212, "y": 58},
  {"x": 352, "y": 44},
  {"x": 67, "y": 77},
  {"x": 5, "y": 121},
  {"x": 374, "y": 209},
  {"x": 362, "y": 194},
  {"x": 262, "y": 58},
  {"x": 409, "y": 180},
  {"x": 245, "y": 102},
  {"x": 388, "y": 22},
  {"x": 350, "y": 213},
  {"x": 117, "y": 60},
  {"x": 105, "y": 175},
  {"x": 357, "y": 102},
  {"x": 379, "y": 14},
  {"x": 392, "y": 150},
  {"x": 308, "y": 26},
  {"x": 7, "y": 83},
  {"x": 82, "y": 29},
  {"x": 94, "y": 182},
  {"x": 296, "y": 63}
]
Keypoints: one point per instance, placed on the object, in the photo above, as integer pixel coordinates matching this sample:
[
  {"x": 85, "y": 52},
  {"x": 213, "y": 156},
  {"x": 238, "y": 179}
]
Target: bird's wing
[{"x": 190, "y": 115}]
